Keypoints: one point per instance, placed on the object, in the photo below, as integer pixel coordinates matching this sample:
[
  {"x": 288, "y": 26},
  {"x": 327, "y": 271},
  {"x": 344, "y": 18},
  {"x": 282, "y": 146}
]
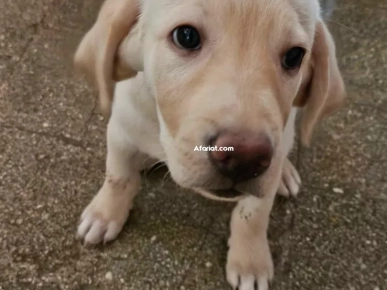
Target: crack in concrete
[
  {"x": 363, "y": 4},
  {"x": 36, "y": 29},
  {"x": 88, "y": 120},
  {"x": 201, "y": 246},
  {"x": 379, "y": 109},
  {"x": 58, "y": 137}
]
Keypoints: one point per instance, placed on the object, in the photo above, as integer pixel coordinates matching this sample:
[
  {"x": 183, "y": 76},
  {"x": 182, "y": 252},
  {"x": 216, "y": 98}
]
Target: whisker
[
  {"x": 159, "y": 162},
  {"x": 165, "y": 175},
  {"x": 339, "y": 8},
  {"x": 342, "y": 25},
  {"x": 212, "y": 196},
  {"x": 149, "y": 173}
]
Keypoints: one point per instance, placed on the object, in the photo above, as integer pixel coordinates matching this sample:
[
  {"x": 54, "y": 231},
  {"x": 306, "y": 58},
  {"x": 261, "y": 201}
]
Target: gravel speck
[
  {"x": 109, "y": 276},
  {"x": 338, "y": 190}
]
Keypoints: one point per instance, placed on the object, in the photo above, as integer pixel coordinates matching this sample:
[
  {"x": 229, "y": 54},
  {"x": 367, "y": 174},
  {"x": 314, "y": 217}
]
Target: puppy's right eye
[
  {"x": 186, "y": 37},
  {"x": 293, "y": 58}
]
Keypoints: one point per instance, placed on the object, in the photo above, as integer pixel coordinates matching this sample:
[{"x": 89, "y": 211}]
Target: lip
[{"x": 227, "y": 193}]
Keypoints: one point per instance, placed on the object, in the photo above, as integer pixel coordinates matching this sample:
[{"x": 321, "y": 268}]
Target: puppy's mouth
[{"x": 227, "y": 193}]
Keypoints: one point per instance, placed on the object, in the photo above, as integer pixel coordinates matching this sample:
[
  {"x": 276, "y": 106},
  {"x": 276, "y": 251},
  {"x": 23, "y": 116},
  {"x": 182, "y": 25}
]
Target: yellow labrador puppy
[{"x": 176, "y": 74}]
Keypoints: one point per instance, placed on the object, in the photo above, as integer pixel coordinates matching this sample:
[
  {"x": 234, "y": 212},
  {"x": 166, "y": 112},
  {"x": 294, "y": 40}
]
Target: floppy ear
[
  {"x": 322, "y": 91},
  {"x": 97, "y": 53}
]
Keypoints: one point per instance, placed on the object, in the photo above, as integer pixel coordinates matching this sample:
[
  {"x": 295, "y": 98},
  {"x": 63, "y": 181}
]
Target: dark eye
[
  {"x": 293, "y": 58},
  {"x": 186, "y": 37}
]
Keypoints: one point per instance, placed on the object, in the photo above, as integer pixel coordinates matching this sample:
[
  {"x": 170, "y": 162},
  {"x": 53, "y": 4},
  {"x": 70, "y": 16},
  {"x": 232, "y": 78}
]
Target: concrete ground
[{"x": 52, "y": 149}]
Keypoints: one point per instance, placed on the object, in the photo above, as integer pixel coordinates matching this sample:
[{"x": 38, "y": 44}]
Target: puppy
[{"x": 173, "y": 75}]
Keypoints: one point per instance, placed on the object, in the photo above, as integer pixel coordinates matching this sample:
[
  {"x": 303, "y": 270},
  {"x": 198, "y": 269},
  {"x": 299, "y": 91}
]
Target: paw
[
  {"x": 249, "y": 266},
  {"x": 290, "y": 181},
  {"x": 103, "y": 219}
]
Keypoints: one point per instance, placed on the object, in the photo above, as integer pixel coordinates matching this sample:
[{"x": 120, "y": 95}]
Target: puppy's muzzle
[{"x": 250, "y": 158}]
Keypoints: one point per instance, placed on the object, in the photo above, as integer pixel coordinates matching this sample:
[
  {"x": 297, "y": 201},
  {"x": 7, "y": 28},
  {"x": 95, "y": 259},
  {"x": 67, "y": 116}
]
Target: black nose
[{"x": 251, "y": 155}]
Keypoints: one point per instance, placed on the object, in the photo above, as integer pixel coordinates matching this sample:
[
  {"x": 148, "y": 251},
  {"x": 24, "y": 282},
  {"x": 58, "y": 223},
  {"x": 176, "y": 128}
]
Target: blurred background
[{"x": 52, "y": 157}]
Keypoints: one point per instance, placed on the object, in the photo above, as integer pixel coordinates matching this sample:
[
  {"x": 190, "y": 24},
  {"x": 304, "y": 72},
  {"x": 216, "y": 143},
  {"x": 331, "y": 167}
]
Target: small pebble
[
  {"x": 208, "y": 265},
  {"x": 109, "y": 276},
  {"x": 338, "y": 190},
  {"x": 153, "y": 239}
]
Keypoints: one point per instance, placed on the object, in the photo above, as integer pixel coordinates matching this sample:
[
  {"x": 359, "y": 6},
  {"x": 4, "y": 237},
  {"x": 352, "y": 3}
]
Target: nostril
[
  {"x": 264, "y": 154},
  {"x": 221, "y": 156},
  {"x": 264, "y": 162},
  {"x": 210, "y": 140},
  {"x": 227, "y": 160}
]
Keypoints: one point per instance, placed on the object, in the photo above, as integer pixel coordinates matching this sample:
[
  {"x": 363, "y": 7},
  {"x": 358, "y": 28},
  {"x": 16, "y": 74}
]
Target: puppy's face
[{"x": 223, "y": 73}]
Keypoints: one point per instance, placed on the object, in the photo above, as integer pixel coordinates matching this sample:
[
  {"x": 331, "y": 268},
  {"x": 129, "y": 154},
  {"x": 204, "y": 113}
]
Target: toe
[
  {"x": 263, "y": 284},
  {"x": 112, "y": 232},
  {"x": 283, "y": 190},
  {"x": 296, "y": 176},
  {"x": 84, "y": 227},
  {"x": 232, "y": 278},
  {"x": 291, "y": 184},
  {"x": 247, "y": 283},
  {"x": 292, "y": 171},
  {"x": 96, "y": 233}
]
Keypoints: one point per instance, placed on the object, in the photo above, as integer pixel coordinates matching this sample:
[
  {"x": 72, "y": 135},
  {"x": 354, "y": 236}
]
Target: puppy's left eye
[
  {"x": 186, "y": 37},
  {"x": 293, "y": 58}
]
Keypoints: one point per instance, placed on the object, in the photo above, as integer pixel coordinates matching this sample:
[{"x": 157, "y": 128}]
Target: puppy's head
[{"x": 223, "y": 73}]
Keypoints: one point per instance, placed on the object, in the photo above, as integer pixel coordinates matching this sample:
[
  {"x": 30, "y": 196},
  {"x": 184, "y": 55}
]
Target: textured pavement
[{"x": 52, "y": 150}]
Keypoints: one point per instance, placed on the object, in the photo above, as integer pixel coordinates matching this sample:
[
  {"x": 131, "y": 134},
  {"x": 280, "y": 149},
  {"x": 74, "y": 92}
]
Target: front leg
[
  {"x": 103, "y": 219},
  {"x": 249, "y": 262}
]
